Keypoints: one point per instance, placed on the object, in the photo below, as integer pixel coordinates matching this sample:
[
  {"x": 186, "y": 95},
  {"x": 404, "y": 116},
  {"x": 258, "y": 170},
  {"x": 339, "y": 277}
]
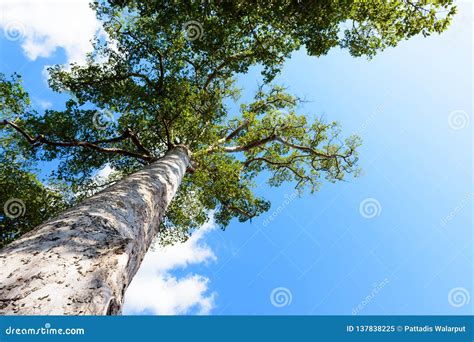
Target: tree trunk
[{"x": 82, "y": 262}]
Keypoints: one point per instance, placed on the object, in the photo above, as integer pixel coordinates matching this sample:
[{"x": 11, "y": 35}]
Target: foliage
[
  {"x": 165, "y": 73},
  {"x": 35, "y": 202},
  {"x": 25, "y": 202}
]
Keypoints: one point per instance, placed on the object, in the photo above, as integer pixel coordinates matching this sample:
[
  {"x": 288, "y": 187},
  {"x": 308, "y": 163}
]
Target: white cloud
[
  {"x": 41, "y": 27},
  {"x": 155, "y": 289},
  {"x": 44, "y": 26},
  {"x": 44, "y": 104},
  {"x": 105, "y": 172}
]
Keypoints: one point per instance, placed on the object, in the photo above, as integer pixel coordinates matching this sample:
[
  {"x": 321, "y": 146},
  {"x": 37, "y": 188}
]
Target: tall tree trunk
[{"x": 83, "y": 261}]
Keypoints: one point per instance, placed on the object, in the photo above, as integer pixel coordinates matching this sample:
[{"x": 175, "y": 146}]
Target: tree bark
[{"x": 81, "y": 262}]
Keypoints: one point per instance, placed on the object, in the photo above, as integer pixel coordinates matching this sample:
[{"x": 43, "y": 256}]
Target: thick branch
[
  {"x": 40, "y": 139},
  {"x": 247, "y": 147},
  {"x": 236, "y": 131},
  {"x": 136, "y": 141},
  {"x": 229, "y": 137},
  {"x": 111, "y": 140},
  {"x": 169, "y": 143}
]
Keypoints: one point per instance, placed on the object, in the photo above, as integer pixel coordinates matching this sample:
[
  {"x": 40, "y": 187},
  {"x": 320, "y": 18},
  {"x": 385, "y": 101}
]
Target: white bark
[{"x": 83, "y": 261}]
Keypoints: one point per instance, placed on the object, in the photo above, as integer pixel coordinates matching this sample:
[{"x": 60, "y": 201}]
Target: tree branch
[
  {"x": 233, "y": 149},
  {"x": 152, "y": 50},
  {"x": 309, "y": 149},
  {"x": 143, "y": 77},
  {"x": 111, "y": 140},
  {"x": 236, "y": 131},
  {"x": 280, "y": 165},
  {"x": 169, "y": 143},
  {"x": 136, "y": 141},
  {"x": 240, "y": 210},
  {"x": 40, "y": 139},
  {"x": 224, "y": 63}
]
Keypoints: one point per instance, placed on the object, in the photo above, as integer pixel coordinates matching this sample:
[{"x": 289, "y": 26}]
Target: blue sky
[{"x": 328, "y": 253}]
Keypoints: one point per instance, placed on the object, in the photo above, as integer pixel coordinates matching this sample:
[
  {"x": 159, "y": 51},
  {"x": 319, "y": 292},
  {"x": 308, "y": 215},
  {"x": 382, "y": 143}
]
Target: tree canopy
[
  {"x": 25, "y": 201},
  {"x": 164, "y": 75}
]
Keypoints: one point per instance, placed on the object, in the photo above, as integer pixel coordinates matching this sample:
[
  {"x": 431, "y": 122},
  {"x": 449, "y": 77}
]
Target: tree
[
  {"x": 43, "y": 202},
  {"x": 151, "y": 102},
  {"x": 19, "y": 184}
]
